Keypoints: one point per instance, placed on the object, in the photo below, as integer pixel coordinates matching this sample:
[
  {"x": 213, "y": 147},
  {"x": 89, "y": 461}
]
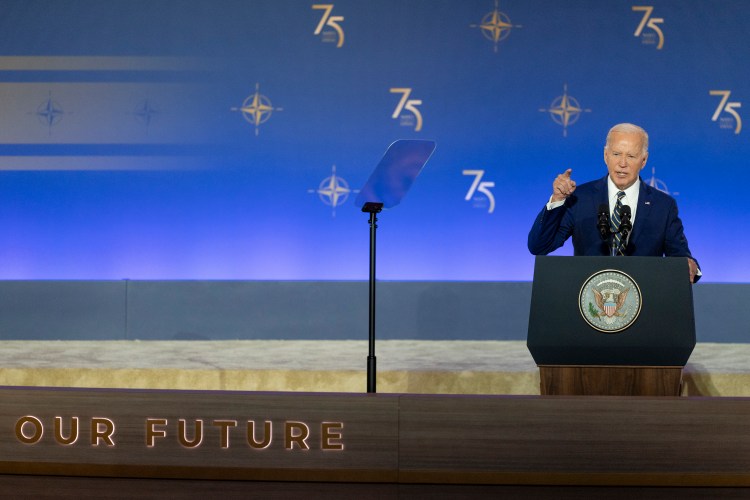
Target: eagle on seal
[{"x": 611, "y": 303}]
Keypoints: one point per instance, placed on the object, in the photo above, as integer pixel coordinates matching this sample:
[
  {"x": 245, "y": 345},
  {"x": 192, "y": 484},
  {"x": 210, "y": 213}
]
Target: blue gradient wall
[{"x": 196, "y": 139}]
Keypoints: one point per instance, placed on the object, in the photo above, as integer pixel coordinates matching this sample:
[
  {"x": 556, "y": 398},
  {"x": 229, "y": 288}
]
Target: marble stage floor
[{"x": 404, "y": 366}]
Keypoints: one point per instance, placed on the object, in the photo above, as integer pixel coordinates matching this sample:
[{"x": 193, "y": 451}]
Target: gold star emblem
[
  {"x": 565, "y": 110},
  {"x": 333, "y": 190},
  {"x": 256, "y": 108},
  {"x": 495, "y": 26}
]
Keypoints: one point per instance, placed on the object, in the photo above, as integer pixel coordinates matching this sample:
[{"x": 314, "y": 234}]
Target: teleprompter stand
[
  {"x": 373, "y": 209},
  {"x": 386, "y": 187}
]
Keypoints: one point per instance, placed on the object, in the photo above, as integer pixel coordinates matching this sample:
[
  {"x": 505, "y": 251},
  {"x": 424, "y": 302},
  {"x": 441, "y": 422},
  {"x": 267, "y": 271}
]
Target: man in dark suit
[{"x": 573, "y": 210}]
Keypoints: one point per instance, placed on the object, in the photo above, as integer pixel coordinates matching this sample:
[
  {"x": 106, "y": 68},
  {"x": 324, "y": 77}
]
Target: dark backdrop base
[{"x": 303, "y": 310}]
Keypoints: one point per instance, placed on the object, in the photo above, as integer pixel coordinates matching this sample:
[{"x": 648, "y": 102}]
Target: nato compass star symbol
[
  {"x": 565, "y": 110},
  {"x": 496, "y": 26},
  {"x": 256, "y": 108},
  {"x": 658, "y": 183},
  {"x": 145, "y": 112},
  {"x": 333, "y": 191},
  {"x": 49, "y": 113}
]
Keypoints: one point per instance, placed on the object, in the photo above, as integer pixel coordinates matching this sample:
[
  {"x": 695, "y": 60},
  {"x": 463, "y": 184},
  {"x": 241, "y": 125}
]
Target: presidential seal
[{"x": 610, "y": 301}]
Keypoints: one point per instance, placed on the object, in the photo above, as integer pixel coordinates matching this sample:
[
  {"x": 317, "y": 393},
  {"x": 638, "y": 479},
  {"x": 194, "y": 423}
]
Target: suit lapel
[
  {"x": 644, "y": 208},
  {"x": 600, "y": 193}
]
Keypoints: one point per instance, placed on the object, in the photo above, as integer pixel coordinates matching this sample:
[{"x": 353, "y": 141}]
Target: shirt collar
[{"x": 631, "y": 193}]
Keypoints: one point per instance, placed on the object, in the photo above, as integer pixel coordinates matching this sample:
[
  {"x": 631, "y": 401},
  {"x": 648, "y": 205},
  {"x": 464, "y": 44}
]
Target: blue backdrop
[{"x": 226, "y": 139}]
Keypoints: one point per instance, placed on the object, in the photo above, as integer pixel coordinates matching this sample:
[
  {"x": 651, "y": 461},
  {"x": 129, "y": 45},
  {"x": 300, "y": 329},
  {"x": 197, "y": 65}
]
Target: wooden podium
[
  {"x": 610, "y": 380},
  {"x": 595, "y": 346}
]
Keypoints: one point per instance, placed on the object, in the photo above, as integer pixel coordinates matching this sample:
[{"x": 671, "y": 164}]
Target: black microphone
[
  {"x": 625, "y": 225},
  {"x": 603, "y": 221}
]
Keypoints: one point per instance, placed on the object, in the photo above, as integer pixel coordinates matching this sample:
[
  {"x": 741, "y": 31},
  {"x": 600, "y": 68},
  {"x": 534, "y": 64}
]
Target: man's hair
[{"x": 628, "y": 128}]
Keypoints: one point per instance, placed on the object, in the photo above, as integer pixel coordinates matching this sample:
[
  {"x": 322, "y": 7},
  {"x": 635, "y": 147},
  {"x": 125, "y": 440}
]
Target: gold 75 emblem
[
  {"x": 407, "y": 104},
  {"x": 649, "y": 22},
  {"x": 728, "y": 107},
  {"x": 331, "y": 21}
]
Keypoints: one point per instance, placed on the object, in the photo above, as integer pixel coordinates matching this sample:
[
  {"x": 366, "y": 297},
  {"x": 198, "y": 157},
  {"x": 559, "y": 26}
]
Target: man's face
[{"x": 625, "y": 158}]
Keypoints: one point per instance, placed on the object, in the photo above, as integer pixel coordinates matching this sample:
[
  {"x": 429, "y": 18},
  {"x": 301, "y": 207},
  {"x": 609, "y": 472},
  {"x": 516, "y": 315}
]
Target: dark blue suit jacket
[{"x": 657, "y": 230}]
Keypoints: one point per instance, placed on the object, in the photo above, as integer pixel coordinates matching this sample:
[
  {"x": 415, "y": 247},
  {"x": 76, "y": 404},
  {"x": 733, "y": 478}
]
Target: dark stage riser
[{"x": 385, "y": 439}]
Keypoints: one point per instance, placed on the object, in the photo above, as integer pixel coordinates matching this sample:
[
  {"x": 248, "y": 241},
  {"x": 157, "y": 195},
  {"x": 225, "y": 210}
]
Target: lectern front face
[{"x": 635, "y": 311}]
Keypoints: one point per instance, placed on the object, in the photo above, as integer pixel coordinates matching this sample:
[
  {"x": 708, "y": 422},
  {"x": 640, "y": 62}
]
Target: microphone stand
[
  {"x": 625, "y": 226},
  {"x": 605, "y": 229}
]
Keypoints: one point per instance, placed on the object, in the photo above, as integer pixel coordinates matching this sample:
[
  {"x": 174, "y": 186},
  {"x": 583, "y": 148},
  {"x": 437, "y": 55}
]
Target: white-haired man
[{"x": 573, "y": 210}]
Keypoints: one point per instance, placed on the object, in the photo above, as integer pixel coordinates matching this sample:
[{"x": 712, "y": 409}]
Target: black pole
[
  {"x": 373, "y": 209},
  {"x": 371, "y": 361}
]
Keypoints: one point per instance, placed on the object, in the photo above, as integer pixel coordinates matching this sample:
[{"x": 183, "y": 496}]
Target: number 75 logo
[
  {"x": 328, "y": 20},
  {"x": 407, "y": 104},
  {"x": 728, "y": 107},
  {"x": 481, "y": 186},
  {"x": 649, "y": 23}
]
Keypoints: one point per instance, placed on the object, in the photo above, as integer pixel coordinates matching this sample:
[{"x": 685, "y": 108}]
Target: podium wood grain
[{"x": 610, "y": 380}]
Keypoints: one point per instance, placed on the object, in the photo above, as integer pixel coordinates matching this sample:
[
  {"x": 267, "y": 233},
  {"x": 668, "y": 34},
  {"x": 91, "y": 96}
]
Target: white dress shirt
[{"x": 630, "y": 199}]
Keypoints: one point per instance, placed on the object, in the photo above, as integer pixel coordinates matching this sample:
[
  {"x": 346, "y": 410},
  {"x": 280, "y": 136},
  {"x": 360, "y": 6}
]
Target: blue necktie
[{"x": 618, "y": 245}]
